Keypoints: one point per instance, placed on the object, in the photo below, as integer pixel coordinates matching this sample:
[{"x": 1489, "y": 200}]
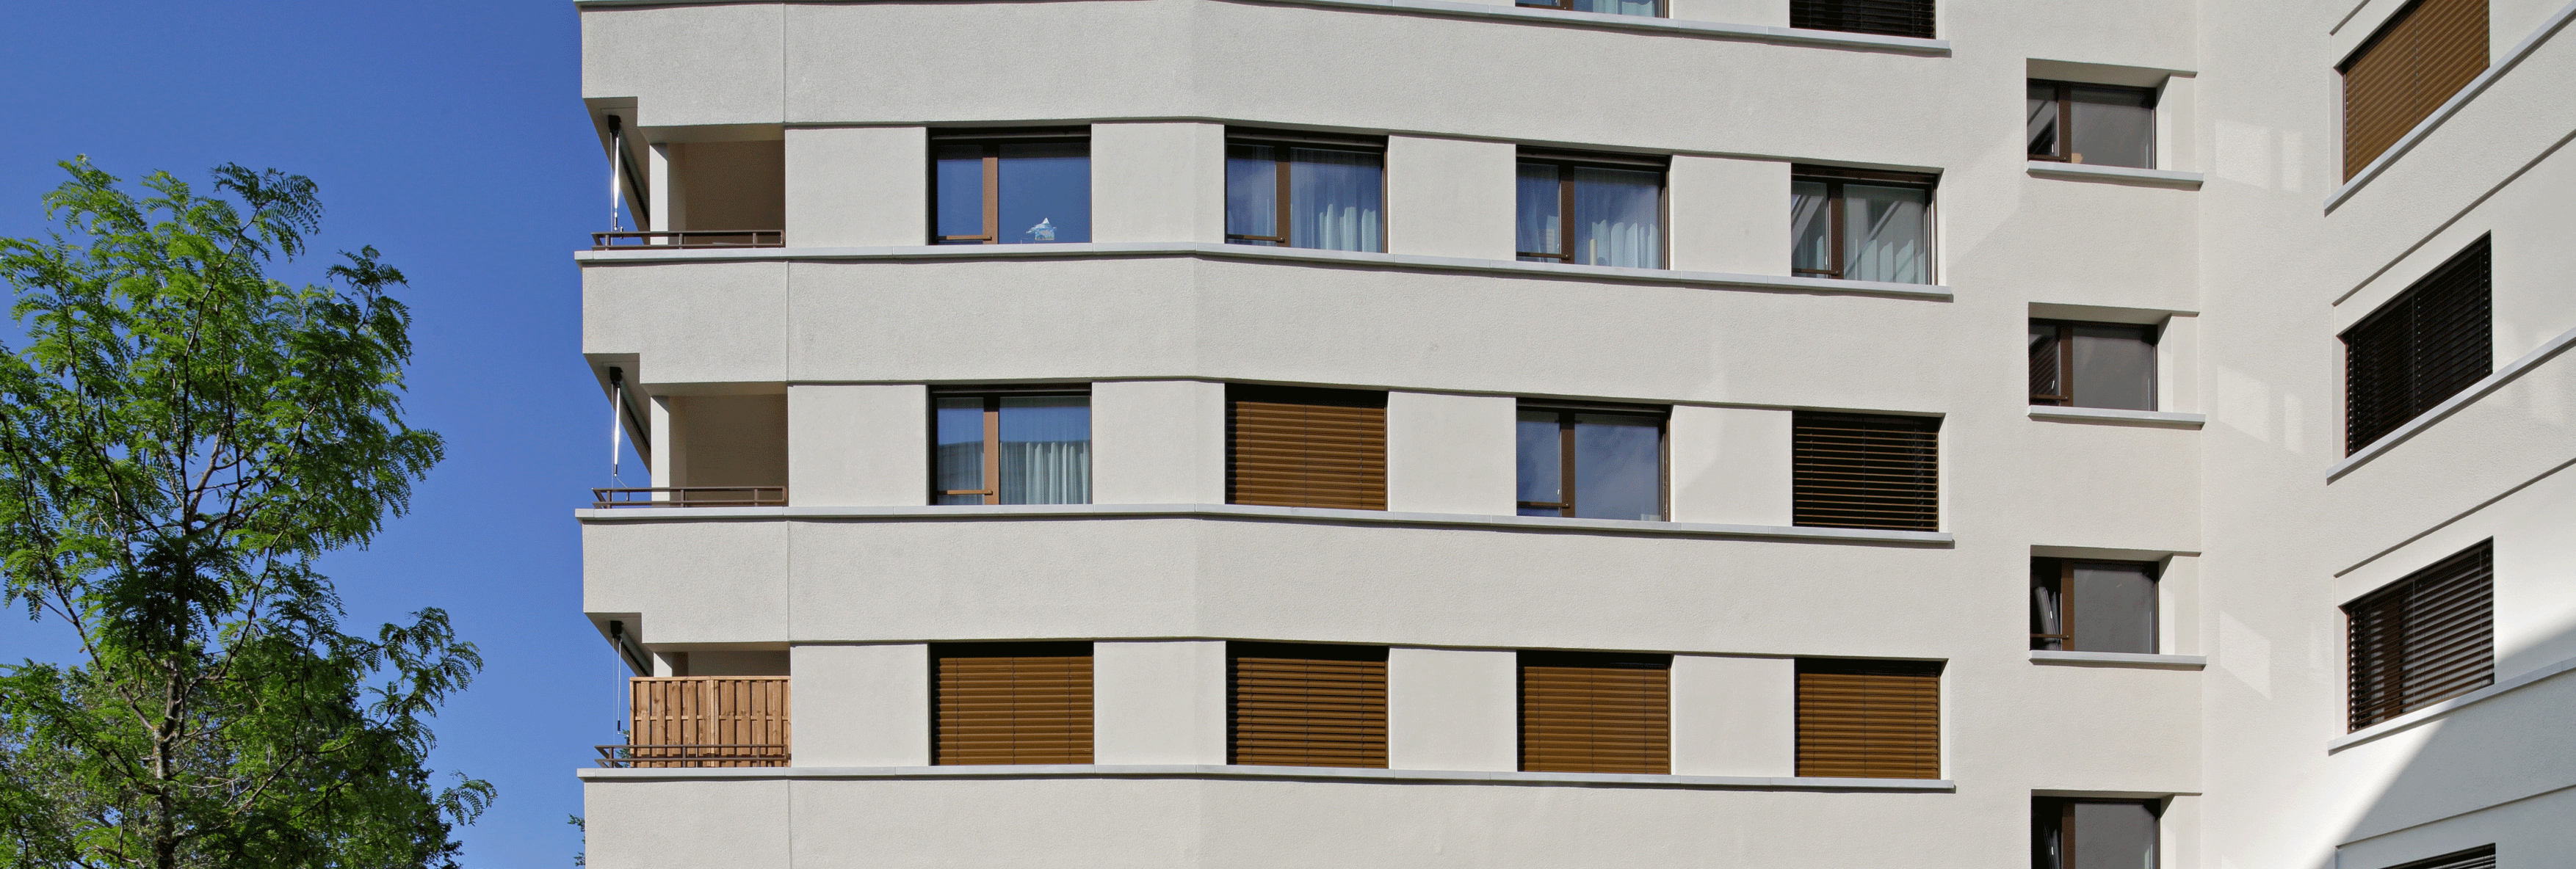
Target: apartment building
[{"x": 1235, "y": 433}]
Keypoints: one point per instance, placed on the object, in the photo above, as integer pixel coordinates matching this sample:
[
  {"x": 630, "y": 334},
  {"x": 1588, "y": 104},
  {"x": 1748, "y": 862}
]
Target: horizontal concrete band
[
  {"x": 2116, "y": 175},
  {"x": 1606, "y": 274},
  {"x": 1243, "y": 512},
  {"x": 2119, "y": 659},
  {"x": 2509, "y": 373},
  {"x": 2444, "y": 709},
  {"x": 1275, "y": 773},
  {"x": 2107, "y": 416}
]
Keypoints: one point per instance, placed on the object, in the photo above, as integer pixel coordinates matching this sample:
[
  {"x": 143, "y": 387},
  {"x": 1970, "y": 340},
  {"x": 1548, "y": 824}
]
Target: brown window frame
[
  {"x": 1834, "y": 177},
  {"x": 1567, "y": 160},
  {"x": 992, "y": 396},
  {"x": 2066, "y": 119},
  {"x": 2066, "y": 599},
  {"x": 1811, "y": 494},
  {"x": 2068, "y": 833},
  {"x": 1279, "y": 174},
  {"x": 991, "y": 142},
  {"x": 2366, "y": 420},
  {"x": 2387, "y": 626},
  {"x": 1565, "y": 412},
  {"x": 2065, "y": 396}
]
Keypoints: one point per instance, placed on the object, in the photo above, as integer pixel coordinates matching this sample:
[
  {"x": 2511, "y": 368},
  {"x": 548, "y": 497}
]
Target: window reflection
[
  {"x": 1011, "y": 192},
  {"x": 1611, "y": 463}
]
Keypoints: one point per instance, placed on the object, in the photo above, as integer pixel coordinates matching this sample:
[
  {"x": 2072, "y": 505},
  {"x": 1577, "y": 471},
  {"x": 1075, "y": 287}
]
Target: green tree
[{"x": 181, "y": 436}]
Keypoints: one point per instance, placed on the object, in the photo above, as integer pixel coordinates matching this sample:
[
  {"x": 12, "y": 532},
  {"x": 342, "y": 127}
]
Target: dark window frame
[
  {"x": 992, "y": 396},
  {"x": 2365, "y": 421},
  {"x": 2069, "y": 835},
  {"x": 1564, "y": 161},
  {"x": 1834, "y": 178},
  {"x": 2065, "y": 362},
  {"x": 1809, "y": 15},
  {"x": 1565, "y": 413},
  {"x": 991, "y": 143},
  {"x": 1283, "y": 141},
  {"x": 2066, "y": 119},
  {"x": 2396, "y": 644},
  {"x": 2066, "y": 599},
  {"x": 1813, "y": 484}
]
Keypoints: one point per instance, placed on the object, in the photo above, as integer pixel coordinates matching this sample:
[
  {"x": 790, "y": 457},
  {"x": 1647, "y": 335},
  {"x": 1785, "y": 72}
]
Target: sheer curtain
[
  {"x": 1251, "y": 192},
  {"x": 1617, "y": 7},
  {"x": 1887, "y": 234},
  {"x": 1536, "y": 225},
  {"x": 1336, "y": 199},
  {"x": 1046, "y": 449},
  {"x": 1618, "y": 217},
  {"x": 1811, "y": 245}
]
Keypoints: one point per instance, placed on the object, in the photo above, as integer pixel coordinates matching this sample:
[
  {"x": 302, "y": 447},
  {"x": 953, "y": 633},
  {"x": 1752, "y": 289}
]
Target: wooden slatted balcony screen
[
  {"x": 2425, "y": 54},
  {"x": 1869, "y": 719},
  {"x": 1308, "y": 704},
  {"x": 2423, "y": 639},
  {"x": 2480, "y": 857},
  {"x": 1884, "y": 17},
  {"x": 701, "y": 721},
  {"x": 2424, "y": 346},
  {"x": 1596, "y": 712},
  {"x": 1856, "y": 471},
  {"x": 1011, "y": 703},
  {"x": 1306, "y": 447}
]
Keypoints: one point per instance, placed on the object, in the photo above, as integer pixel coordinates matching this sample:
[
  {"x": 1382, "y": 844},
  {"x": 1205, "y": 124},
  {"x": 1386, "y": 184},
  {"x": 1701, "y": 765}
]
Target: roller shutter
[
  {"x": 1012, "y": 703},
  {"x": 1306, "y": 447},
  {"x": 1309, "y": 705},
  {"x": 2423, "y": 639},
  {"x": 2421, "y": 348},
  {"x": 2401, "y": 74},
  {"x": 1854, "y": 471},
  {"x": 1869, "y": 719},
  {"x": 1596, "y": 712}
]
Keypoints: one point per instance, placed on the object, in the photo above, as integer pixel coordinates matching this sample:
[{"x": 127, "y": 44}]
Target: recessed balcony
[{"x": 679, "y": 722}]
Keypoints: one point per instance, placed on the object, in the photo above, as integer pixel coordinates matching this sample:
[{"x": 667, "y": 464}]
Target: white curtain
[
  {"x": 1046, "y": 449},
  {"x": 1887, "y": 234},
  {"x": 1336, "y": 199},
  {"x": 1618, "y": 217}
]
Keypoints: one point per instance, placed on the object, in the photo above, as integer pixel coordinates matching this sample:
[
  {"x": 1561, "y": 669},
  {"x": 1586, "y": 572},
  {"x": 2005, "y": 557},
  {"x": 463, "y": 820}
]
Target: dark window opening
[
  {"x": 1860, "y": 226},
  {"x": 2092, "y": 606},
  {"x": 1883, "y": 17},
  {"x": 2107, "y": 365},
  {"x": 2100, "y": 125},
  {"x": 2067, "y": 833},
  {"x": 2421, "y": 348},
  {"x": 2423, "y": 639}
]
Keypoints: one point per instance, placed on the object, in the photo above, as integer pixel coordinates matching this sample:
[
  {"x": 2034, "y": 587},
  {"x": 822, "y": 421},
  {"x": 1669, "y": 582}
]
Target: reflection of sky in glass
[
  {"x": 960, "y": 451},
  {"x": 1536, "y": 227},
  {"x": 1618, "y": 467},
  {"x": 960, "y": 191},
  {"x": 1046, "y": 185},
  {"x": 1542, "y": 473},
  {"x": 1251, "y": 192},
  {"x": 1046, "y": 449}
]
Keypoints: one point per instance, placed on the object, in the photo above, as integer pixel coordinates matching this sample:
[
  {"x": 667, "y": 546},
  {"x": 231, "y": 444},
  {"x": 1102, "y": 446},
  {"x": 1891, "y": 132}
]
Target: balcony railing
[
  {"x": 691, "y": 496},
  {"x": 690, "y": 238},
  {"x": 704, "y": 721}
]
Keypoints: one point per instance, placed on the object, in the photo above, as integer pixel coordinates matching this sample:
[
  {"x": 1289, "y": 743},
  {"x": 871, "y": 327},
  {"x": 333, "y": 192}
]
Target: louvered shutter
[
  {"x": 1307, "y": 448},
  {"x": 1012, "y": 703},
  {"x": 2481, "y": 857},
  {"x": 1884, "y": 17},
  {"x": 1309, "y": 705},
  {"x": 2401, "y": 74},
  {"x": 1854, "y": 471},
  {"x": 2421, "y": 348},
  {"x": 1596, "y": 712},
  {"x": 1869, "y": 719},
  {"x": 2423, "y": 639}
]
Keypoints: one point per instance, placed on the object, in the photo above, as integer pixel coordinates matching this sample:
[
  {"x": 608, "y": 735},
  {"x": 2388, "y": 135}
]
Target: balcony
[
  {"x": 691, "y": 496},
  {"x": 703, "y": 721},
  {"x": 692, "y": 238},
  {"x": 710, "y": 451}
]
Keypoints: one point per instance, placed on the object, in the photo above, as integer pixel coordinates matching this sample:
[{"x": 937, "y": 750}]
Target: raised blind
[
  {"x": 2421, "y": 348},
  {"x": 1869, "y": 719},
  {"x": 718, "y": 721},
  {"x": 1596, "y": 712},
  {"x": 1309, "y": 705},
  {"x": 2401, "y": 74},
  {"x": 1011, "y": 703},
  {"x": 1307, "y": 448},
  {"x": 1854, "y": 471},
  {"x": 2480, "y": 857},
  {"x": 2423, "y": 639},
  {"x": 1884, "y": 17}
]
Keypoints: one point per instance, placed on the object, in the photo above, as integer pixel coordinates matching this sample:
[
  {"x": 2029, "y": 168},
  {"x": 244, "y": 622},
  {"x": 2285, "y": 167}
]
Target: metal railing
[
  {"x": 690, "y": 756},
  {"x": 691, "y": 496},
  {"x": 698, "y": 238}
]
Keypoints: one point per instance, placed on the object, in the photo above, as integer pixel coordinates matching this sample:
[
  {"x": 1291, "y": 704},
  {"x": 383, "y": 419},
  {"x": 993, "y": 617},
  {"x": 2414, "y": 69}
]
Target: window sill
[
  {"x": 2107, "y": 416},
  {"x": 1242, "y": 512},
  {"x": 2119, "y": 659},
  {"x": 2434, "y": 121},
  {"x": 2116, "y": 175},
  {"x": 2452, "y": 405},
  {"x": 2438, "y": 711},
  {"x": 1273, "y": 773},
  {"x": 1203, "y": 250}
]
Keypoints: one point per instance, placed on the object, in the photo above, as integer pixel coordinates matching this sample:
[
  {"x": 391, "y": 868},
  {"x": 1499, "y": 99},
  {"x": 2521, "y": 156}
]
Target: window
[
  {"x": 1293, "y": 447},
  {"x": 1860, "y": 226},
  {"x": 1024, "y": 446},
  {"x": 2481, "y": 857},
  {"x": 1857, "y": 471},
  {"x": 2426, "y": 53},
  {"x": 2421, "y": 348},
  {"x": 1649, "y": 8},
  {"x": 1590, "y": 462},
  {"x": 2101, "y": 125},
  {"x": 2093, "y": 834},
  {"x": 2092, "y": 606},
  {"x": 996, "y": 703},
  {"x": 1883, "y": 17},
  {"x": 1010, "y": 188},
  {"x": 1596, "y": 712},
  {"x": 1308, "y": 704},
  {"x": 1305, "y": 191},
  {"x": 2423, "y": 639},
  {"x": 1869, "y": 719},
  {"x": 1617, "y": 208},
  {"x": 2093, "y": 365}
]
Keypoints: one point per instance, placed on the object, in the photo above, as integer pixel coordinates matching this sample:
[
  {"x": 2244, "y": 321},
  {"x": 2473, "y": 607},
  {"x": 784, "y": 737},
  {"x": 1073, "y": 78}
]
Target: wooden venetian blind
[
  {"x": 2421, "y": 348},
  {"x": 1300, "y": 704},
  {"x": 1854, "y": 471},
  {"x": 1306, "y": 447},
  {"x": 2423, "y": 639},
  {"x": 998, "y": 703},
  {"x": 1596, "y": 712},
  {"x": 2423, "y": 55},
  {"x": 1869, "y": 719},
  {"x": 1884, "y": 17}
]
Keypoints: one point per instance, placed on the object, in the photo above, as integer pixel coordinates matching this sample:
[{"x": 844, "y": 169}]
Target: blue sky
[{"x": 450, "y": 136}]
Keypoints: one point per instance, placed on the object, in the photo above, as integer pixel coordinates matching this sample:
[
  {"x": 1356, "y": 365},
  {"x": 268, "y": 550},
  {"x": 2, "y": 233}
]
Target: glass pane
[
  {"x": 1618, "y": 218},
  {"x": 1251, "y": 192},
  {"x": 2114, "y": 367},
  {"x": 2044, "y": 610},
  {"x": 2040, "y": 120},
  {"x": 1046, "y": 192},
  {"x": 2043, "y": 362},
  {"x": 1537, "y": 228},
  {"x": 2047, "y": 841},
  {"x": 2114, "y": 836},
  {"x": 2114, "y": 608},
  {"x": 1046, "y": 449},
  {"x": 959, "y": 451},
  {"x": 2111, "y": 126},
  {"x": 959, "y": 183},
  {"x": 1618, "y": 467},
  {"x": 1811, "y": 244},
  {"x": 1334, "y": 199},
  {"x": 1887, "y": 234},
  {"x": 1542, "y": 457},
  {"x": 1617, "y": 7}
]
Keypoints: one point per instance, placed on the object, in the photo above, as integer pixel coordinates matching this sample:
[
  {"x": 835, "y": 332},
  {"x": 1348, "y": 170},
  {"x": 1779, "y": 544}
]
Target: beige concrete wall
[
  {"x": 1158, "y": 182},
  {"x": 1452, "y": 709},
  {"x": 851, "y": 445},
  {"x": 1158, "y": 702},
  {"x": 1734, "y": 716},
  {"x": 1158, "y": 442},
  {"x": 731, "y": 440},
  {"x": 857, "y": 186},
  {"x": 1727, "y": 215},
  {"x": 1450, "y": 453},
  {"x": 1730, "y": 465},
  {"x": 861, "y": 705},
  {"x": 1450, "y": 197},
  {"x": 731, "y": 185}
]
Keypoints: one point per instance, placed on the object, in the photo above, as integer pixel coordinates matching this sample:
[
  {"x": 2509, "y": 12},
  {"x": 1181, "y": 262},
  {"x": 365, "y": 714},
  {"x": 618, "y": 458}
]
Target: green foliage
[{"x": 180, "y": 437}]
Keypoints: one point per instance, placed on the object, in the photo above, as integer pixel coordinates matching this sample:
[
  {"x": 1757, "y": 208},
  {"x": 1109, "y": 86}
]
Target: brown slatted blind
[
  {"x": 1854, "y": 471},
  {"x": 1306, "y": 447},
  {"x": 2423, "y": 639},
  {"x": 1596, "y": 712},
  {"x": 2481, "y": 857},
  {"x": 1309, "y": 705},
  {"x": 1012, "y": 703},
  {"x": 2423, "y": 55},
  {"x": 1869, "y": 719},
  {"x": 2421, "y": 348},
  {"x": 1884, "y": 17}
]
